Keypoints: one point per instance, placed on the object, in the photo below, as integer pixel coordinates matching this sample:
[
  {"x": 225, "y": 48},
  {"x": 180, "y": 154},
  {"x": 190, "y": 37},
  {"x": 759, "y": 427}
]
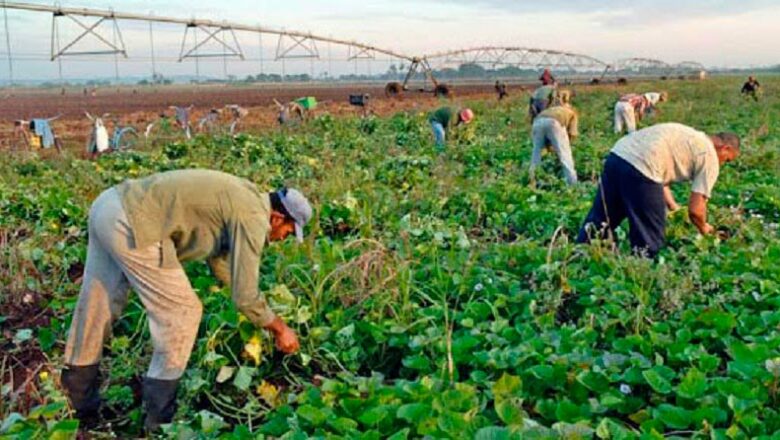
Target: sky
[{"x": 717, "y": 33}]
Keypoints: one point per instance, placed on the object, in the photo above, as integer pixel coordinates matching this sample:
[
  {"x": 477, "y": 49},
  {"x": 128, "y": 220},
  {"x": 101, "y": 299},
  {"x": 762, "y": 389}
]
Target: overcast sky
[{"x": 714, "y": 32}]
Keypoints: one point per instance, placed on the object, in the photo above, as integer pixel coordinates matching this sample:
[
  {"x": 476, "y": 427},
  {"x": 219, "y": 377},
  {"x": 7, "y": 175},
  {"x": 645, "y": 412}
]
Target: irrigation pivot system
[
  {"x": 524, "y": 57},
  {"x": 649, "y": 66},
  {"x": 200, "y": 34}
]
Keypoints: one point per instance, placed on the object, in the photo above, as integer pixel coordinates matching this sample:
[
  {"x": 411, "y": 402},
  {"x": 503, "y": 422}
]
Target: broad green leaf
[
  {"x": 543, "y": 372},
  {"x": 372, "y": 416},
  {"x": 752, "y": 353},
  {"x": 673, "y": 416},
  {"x": 507, "y": 386},
  {"x": 400, "y": 435},
  {"x": 493, "y": 433},
  {"x": 413, "y": 412},
  {"x": 657, "y": 382},
  {"x": 243, "y": 378},
  {"x": 47, "y": 411},
  {"x": 510, "y": 411},
  {"x": 452, "y": 423},
  {"x": 746, "y": 370},
  {"x": 311, "y": 414},
  {"x": 210, "y": 423},
  {"x": 609, "y": 429},
  {"x": 343, "y": 425},
  {"x": 64, "y": 430},
  {"x": 417, "y": 362},
  {"x": 723, "y": 322},
  {"x": 566, "y": 411},
  {"x": 693, "y": 385},
  {"x": 593, "y": 381}
]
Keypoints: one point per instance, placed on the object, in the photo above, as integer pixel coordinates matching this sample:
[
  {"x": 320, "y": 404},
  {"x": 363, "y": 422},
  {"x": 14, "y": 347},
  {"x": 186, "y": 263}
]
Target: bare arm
[
  {"x": 574, "y": 130},
  {"x": 671, "y": 204},
  {"x": 697, "y": 211}
]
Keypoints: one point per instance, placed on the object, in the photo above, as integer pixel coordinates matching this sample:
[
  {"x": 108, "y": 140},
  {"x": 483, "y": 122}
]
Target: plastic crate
[
  {"x": 308, "y": 102},
  {"x": 359, "y": 100}
]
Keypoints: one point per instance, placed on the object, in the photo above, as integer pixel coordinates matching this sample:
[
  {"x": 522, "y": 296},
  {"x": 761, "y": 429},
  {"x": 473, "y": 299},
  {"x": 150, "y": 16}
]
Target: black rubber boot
[
  {"x": 82, "y": 385},
  {"x": 159, "y": 403}
]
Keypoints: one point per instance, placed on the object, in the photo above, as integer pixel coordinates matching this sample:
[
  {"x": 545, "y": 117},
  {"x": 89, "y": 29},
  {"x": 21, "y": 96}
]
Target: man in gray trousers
[{"x": 139, "y": 233}]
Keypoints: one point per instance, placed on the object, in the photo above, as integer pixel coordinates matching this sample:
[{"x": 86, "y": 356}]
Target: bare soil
[{"x": 140, "y": 106}]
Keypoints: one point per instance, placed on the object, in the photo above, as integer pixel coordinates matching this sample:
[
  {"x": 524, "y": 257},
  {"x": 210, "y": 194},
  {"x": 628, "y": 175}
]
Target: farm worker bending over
[
  {"x": 547, "y": 78},
  {"x": 636, "y": 178},
  {"x": 501, "y": 90},
  {"x": 630, "y": 109},
  {"x": 541, "y": 99},
  {"x": 751, "y": 88},
  {"x": 555, "y": 127},
  {"x": 139, "y": 231},
  {"x": 442, "y": 119}
]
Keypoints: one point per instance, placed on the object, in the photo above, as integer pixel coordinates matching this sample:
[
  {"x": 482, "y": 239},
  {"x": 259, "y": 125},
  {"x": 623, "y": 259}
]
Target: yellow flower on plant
[
  {"x": 253, "y": 349},
  {"x": 268, "y": 392}
]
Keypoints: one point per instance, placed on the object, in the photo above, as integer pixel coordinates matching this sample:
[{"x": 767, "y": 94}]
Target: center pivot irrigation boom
[
  {"x": 290, "y": 45},
  {"x": 522, "y": 57}
]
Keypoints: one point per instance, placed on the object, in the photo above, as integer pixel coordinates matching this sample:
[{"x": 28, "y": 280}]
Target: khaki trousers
[
  {"x": 113, "y": 265},
  {"x": 547, "y": 131}
]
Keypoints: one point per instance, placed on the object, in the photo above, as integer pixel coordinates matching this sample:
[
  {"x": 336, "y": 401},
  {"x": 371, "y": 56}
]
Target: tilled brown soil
[{"x": 140, "y": 106}]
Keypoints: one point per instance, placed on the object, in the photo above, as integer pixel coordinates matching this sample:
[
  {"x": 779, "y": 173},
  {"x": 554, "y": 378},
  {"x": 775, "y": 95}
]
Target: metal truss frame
[
  {"x": 213, "y": 33},
  {"x": 306, "y": 43},
  {"x": 642, "y": 65},
  {"x": 496, "y": 56},
  {"x": 295, "y": 44},
  {"x": 57, "y": 51}
]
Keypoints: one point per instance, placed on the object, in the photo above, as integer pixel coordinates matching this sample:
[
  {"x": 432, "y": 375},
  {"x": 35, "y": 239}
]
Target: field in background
[{"x": 139, "y": 106}]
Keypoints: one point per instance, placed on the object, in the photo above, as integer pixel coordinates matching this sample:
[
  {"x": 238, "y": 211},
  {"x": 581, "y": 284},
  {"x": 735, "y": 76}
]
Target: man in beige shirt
[
  {"x": 555, "y": 127},
  {"x": 636, "y": 178},
  {"x": 139, "y": 233}
]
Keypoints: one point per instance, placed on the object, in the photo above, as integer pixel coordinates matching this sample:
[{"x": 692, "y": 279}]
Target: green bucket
[{"x": 308, "y": 102}]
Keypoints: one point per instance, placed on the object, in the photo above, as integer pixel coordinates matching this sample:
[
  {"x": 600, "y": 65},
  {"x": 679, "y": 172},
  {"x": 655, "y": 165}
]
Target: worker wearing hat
[
  {"x": 139, "y": 233},
  {"x": 443, "y": 118},
  {"x": 555, "y": 128}
]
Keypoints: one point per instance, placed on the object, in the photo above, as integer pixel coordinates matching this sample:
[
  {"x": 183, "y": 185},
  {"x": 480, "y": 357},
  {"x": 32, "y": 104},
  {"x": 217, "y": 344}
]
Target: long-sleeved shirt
[
  {"x": 544, "y": 93},
  {"x": 443, "y": 116},
  {"x": 566, "y": 116},
  {"x": 206, "y": 214}
]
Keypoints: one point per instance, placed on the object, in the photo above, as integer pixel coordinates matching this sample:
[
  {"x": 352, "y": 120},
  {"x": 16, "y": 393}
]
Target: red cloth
[
  {"x": 546, "y": 78},
  {"x": 639, "y": 102}
]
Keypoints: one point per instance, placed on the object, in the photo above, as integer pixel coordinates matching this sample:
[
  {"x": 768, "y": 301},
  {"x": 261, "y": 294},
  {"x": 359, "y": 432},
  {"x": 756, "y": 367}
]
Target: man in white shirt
[
  {"x": 636, "y": 178},
  {"x": 631, "y": 108}
]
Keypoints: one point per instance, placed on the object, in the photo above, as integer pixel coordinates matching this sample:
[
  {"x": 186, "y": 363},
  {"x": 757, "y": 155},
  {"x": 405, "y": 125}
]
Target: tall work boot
[
  {"x": 82, "y": 385},
  {"x": 159, "y": 402}
]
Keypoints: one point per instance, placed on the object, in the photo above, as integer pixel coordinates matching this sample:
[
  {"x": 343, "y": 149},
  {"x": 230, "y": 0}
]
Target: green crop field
[{"x": 437, "y": 295}]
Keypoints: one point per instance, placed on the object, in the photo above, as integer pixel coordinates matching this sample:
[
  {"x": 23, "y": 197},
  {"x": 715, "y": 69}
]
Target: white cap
[{"x": 298, "y": 207}]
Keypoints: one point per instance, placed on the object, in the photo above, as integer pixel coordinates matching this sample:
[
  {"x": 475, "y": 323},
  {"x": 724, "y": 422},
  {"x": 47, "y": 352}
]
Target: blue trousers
[
  {"x": 438, "y": 134},
  {"x": 624, "y": 192}
]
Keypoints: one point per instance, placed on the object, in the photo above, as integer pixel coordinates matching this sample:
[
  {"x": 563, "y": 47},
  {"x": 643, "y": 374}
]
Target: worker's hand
[
  {"x": 286, "y": 339},
  {"x": 707, "y": 229},
  {"x": 673, "y": 207}
]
